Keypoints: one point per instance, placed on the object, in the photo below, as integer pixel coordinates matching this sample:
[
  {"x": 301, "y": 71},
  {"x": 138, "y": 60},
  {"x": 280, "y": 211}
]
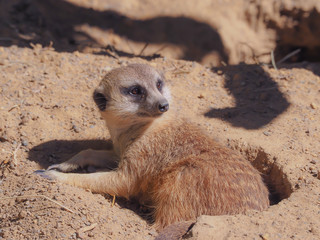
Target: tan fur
[{"x": 163, "y": 161}]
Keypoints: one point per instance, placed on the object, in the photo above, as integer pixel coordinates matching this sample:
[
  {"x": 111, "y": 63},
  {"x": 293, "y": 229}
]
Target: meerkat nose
[{"x": 163, "y": 107}]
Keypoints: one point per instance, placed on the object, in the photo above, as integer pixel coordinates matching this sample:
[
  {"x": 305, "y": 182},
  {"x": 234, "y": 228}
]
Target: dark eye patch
[
  {"x": 135, "y": 91},
  {"x": 100, "y": 100}
]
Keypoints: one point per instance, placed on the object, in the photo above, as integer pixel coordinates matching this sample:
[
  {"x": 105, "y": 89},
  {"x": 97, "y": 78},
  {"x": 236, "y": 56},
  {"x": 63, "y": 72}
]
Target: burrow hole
[{"x": 273, "y": 175}]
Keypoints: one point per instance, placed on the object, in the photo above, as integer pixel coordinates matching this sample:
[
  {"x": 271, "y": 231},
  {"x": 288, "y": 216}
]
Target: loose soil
[{"x": 54, "y": 53}]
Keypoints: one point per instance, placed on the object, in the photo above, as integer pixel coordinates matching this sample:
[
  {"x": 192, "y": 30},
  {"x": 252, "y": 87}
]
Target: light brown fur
[{"x": 163, "y": 161}]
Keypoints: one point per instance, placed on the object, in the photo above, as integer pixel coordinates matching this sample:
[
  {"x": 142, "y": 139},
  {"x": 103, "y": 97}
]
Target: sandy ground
[{"x": 47, "y": 114}]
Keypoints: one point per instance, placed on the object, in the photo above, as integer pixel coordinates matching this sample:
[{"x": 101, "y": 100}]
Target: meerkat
[{"x": 160, "y": 159}]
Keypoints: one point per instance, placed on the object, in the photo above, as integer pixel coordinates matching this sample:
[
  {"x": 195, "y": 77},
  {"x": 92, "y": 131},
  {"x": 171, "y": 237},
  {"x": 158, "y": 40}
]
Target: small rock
[
  {"x": 314, "y": 161},
  {"x": 81, "y": 235},
  {"x": 314, "y": 230},
  {"x": 21, "y": 199},
  {"x": 24, "y": 120},
  {"x": 20, "y": 93},
  {"x": 219, "y": 72},
  {"x": 266, "y": 133},
  {"x": 264, "y": 236},
  {"x": 314, "y": 172},
  {"x": 76, "y": 53},
  {"x": 75, "y": 128},
  {"x": 58, "y": 225},
  {"x": 313, "y": 106},
  {"x": 22, "y": 214},
  {"x": 201, "y": 96},
  {"x": 12, "y": 165},
  {"x": 24, "y": 142},
  {"x": 4, "y": 138}
]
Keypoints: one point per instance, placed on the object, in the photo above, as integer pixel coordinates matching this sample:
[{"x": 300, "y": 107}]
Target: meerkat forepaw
[
  {"x": 64, "y": 167},
  {"x": 50, "y": 175}
]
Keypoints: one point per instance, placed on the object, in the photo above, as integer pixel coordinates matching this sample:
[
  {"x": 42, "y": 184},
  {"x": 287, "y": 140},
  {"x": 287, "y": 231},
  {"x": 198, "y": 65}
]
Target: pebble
[
  {"x": 20, "y": 93},
  {"x": 314, "y": 161},
  {"x": 81, "y": 235},
  {"x": 314, "y": 230},
  {"x": 265, "y": 236},
  {"x": 4, "y": 138},
  {"x": 313, "y": 106},
  {"x": 266, "y": 133},
  {"x": 219, "y": 72},
  {"x": 315, "y": 172},
  {"x": 24, "y": 120},
  {"x": 22, "y": 214},
  {"x": 24, "y": 143},
  {"x": 201, "y": 96},
  {"x": 75, "y": 128}
]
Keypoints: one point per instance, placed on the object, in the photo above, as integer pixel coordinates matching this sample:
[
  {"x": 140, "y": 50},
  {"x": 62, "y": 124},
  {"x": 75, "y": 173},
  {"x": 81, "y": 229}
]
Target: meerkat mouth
[{"x": 149, "y": 115}]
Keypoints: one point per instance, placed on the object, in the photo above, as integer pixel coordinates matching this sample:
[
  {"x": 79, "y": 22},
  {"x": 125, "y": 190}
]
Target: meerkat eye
[
  {"x": 159, "y": 85},
  {"x": 135, "y": 91}
]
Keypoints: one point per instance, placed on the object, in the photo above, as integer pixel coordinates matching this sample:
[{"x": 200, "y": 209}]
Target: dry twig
[
  {"x": 14, "y": 154},
  {"x": 41, "y": 196},
  {"x": 13, "y": 107},
  {"x": 144, "y": 48},
  {"x": 289, "y": 56},
  {"x": 113, "y": 200},
  {"x": 273, "y": 61},
  {"x": 87, "y": 228}
]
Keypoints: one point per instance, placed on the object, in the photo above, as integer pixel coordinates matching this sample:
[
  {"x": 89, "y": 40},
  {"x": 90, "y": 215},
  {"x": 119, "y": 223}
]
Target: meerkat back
[{"x": 194, "y": 175}]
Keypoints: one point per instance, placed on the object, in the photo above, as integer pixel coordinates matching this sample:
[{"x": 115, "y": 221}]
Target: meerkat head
[{"x": 132, "y": 94}]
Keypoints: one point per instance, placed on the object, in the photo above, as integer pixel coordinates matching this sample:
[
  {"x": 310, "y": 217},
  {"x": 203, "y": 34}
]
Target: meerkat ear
[{"x": 100, "y": 98}]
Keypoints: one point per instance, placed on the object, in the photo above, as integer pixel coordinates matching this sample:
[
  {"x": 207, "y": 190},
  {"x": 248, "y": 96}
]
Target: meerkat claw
[
  {"x": 63, "y": 167},
  {"x": 45, "y": 174},
  {"x": 54, "y": 167}
]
